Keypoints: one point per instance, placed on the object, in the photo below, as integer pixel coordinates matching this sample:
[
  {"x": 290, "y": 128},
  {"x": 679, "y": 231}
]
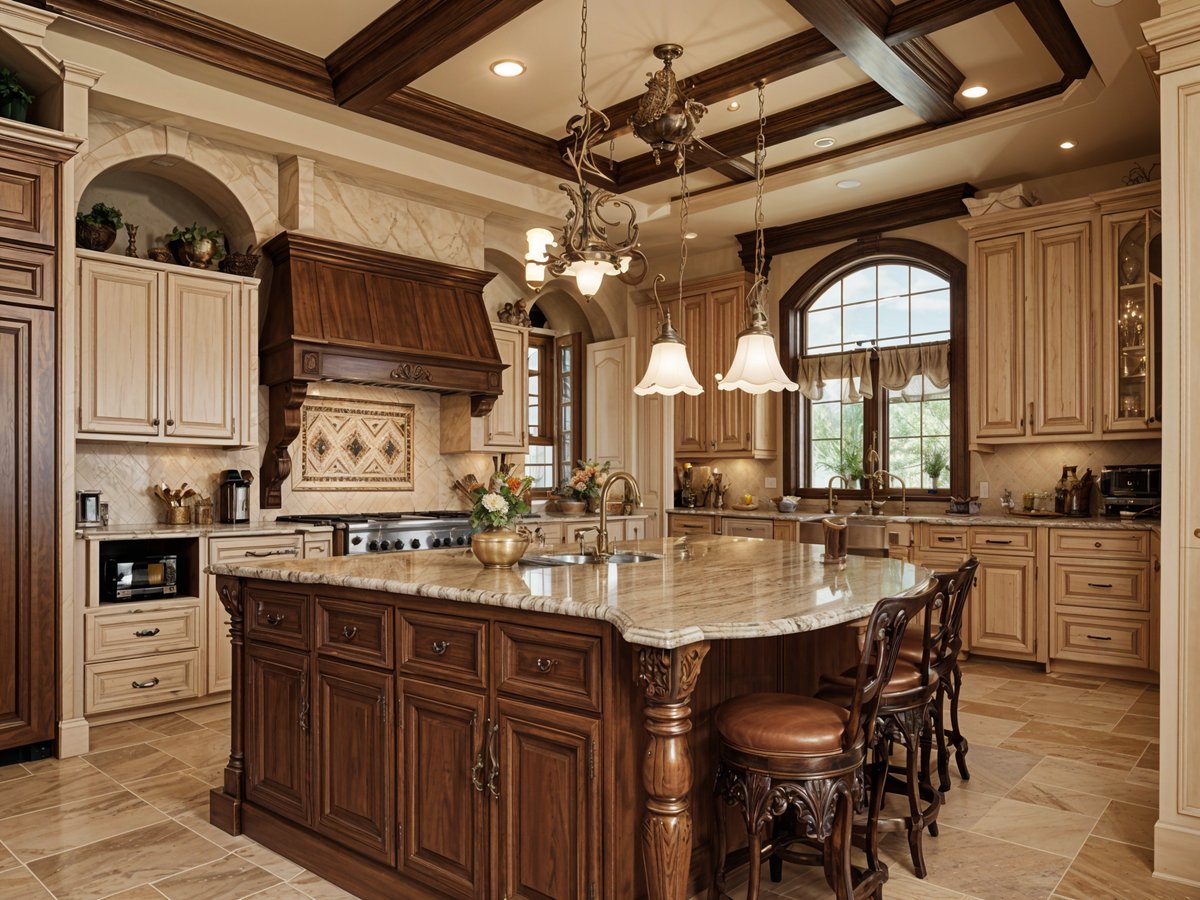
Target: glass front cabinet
[{"x": 1132, "y": 313}]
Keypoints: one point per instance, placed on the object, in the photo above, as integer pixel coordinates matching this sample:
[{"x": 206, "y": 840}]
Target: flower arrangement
[
  {"x": 586, "y": 481},
  {"x": 501, "y": 502}
]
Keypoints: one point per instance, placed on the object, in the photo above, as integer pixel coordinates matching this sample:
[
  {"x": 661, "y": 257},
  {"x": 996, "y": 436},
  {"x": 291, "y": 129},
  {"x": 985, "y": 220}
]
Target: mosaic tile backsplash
[
  {"x": 125, "y": 471},
  {"x": 355, "y": 445}
]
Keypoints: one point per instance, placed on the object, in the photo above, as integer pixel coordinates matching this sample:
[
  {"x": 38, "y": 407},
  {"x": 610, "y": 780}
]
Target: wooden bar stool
[{"x": 800, "y": 760}]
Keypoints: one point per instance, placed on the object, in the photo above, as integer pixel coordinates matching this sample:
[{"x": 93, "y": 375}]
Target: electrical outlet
[
  {"x": 983, "y": 490},
  {"x": 769, "y": 484}
]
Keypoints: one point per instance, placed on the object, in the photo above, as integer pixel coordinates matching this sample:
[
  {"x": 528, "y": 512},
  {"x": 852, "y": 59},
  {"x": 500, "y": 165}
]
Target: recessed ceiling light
[
  {"x": 690, "y": 236},
  {"x": 508, "y": 68},
  {"x": 1067, "y": 145},
  {"x": 975, "y": 91},
  {"x": 733, "y": 106},
  {"x": 849, "y": 184},
  {"x": 824, "y": 142}
]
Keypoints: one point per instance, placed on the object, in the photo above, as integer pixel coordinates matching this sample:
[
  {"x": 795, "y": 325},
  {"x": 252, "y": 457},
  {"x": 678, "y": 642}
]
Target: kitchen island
[{"x": 479, "y": 733}]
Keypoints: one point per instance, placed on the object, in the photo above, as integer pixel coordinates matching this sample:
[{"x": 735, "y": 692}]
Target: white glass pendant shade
[
  {"x": 756, "y": 367},
  {"x": 625, "y": 262},
  {"x": 534, "y": 274},
  {"x": 589, "y": 276},
  {"x": 539, "y": 239},
  {"x": 668, "y": 371}
]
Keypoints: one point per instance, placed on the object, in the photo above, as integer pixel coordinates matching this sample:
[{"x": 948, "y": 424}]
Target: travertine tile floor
[{"x": 1061, "y": 804}]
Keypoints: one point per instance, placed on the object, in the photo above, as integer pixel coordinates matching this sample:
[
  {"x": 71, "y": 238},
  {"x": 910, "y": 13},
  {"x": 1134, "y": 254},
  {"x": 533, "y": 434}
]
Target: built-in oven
[{"x": 139, "y": 578}]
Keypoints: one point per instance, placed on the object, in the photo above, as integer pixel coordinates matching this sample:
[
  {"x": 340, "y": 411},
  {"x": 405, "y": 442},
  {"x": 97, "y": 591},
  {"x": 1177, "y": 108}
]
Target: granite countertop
[
  {"x": 943, "y": 519},
  {"x": 150, "y": 530},
  {"x": 704, "y": 588}
]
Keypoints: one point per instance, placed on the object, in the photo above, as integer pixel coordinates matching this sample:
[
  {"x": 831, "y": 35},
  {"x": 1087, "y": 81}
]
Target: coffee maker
[{"x": 234, "y": 495}]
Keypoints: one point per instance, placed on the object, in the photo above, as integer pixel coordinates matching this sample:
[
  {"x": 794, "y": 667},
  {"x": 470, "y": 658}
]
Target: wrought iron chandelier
[
  {"x": 587, "y": 252},
  {"x": 756, "y": 367},
  {"x": 666, "y": 118}
]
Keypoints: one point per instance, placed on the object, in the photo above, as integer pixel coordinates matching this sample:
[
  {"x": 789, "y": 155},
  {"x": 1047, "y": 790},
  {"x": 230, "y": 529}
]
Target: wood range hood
[{"x": 337, "y": 312}]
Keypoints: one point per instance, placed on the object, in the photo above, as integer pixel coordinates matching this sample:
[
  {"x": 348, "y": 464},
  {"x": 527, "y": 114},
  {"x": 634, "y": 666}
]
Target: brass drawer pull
[
  {"x": 283, "y": 551},
  {"x": 477, "y": 769},
  {"x": 1095, "y": 585},
  {"x": 142, "y": 685},
  {"x": 440, "y": 647},
  {"x": 1099, "y": 544},
  {"x": 991, "y": 541},
  {"x": 146, "y": 632},
  {"x": 1096, "y": 637},
  {"x": 950, "y": 540},
  {"x": 274, "y": 619},
  {"x": 545, "y": 665},
  {"x": 349, "y": 631},
  {"x": 493, "y": 784}
]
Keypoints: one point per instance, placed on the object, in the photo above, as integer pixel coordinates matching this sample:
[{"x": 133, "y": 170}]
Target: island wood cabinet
[
  {"x": 716, "y": 423},
  {"x": 165, "y": 356},
  {"x": 506, "y": 428}
]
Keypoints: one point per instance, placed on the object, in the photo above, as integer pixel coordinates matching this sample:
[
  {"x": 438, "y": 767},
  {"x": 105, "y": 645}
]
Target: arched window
[{"x": 874, "y": 335}]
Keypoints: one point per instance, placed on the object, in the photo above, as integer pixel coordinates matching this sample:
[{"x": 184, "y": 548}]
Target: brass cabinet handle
[
  {"x": 170, "y": 423},
  {"x": 1097, "y": 585},
  {"x": 949, "y": 540},
  {"x": 990, "y": 541},
  {"x": 282, "y": 551},
  {"x": 440, "y": 647},
  {"x": 1196, "y": 533},
  {"x": 302, "y": 720},
  {"x": 274, "y": 619},
  {"x": 494, "y": 776},
  {"x": 545, "y": 665},
  {"x": 154, "y": 421},
  {"x": 146, "y": 632},
  {"x": 142, "y": 685},
  {"x": 1099, "y": 545},
  {"x": 477, "y": 769},
  {"x": 349, "y": 631},
  {"x": 1096, "y": 637}
]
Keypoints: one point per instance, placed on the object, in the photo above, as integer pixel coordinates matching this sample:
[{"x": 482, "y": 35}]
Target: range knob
[
  {"x": 373, "y": 546},
  {"x": 460, "y": 540},
  {"x": 385, "y": 545},
  {"x": 415, "y": 543},
  {"x": 356, "y": 540},
  {"x": 436, "y": 542}
]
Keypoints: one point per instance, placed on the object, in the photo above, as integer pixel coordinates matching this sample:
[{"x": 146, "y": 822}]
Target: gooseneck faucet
[
  {"x": 832, "y": 499},
  {"x": 603, "y": 551}
]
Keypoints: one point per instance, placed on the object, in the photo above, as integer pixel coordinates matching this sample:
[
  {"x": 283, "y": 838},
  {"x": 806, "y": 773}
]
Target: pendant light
[
  {"x": 587, "y": 253},
  {"x": 756, "y": 367},
  {"x": 669, "y": 371}
]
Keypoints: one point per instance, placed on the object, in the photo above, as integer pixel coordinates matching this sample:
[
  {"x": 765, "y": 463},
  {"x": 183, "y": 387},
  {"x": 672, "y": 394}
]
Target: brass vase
[{"x": 499, "y": 548}]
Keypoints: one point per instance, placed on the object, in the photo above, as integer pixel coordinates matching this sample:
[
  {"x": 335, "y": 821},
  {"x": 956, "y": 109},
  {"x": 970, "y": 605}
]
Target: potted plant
[
  {"x": 496, "y": 512},
  {"x": 14, "y": 98},
  {"x": 935, "y": 465},
  {"x": 583, "y": 490},
  {"x": 196, "y": 245},
  {"x": 850, "y": 466},
  {"x": 96, "y": 230}
]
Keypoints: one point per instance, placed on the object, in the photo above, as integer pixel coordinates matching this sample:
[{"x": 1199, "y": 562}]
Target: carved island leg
[
  {"x": 225, "y": 804},
  {"x": 668, "y": 678}
]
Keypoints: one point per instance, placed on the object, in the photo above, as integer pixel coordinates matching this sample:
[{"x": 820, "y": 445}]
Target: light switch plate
[
  {"x": 769, "y": 483},
  {"x": 983, "y": 490}
]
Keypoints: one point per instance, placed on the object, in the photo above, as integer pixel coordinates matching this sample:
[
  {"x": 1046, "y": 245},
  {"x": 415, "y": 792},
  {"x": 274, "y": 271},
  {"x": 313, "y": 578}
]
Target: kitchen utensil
[
  {"x": 837, "y": 540},
  {"x": 87, "y": 509}
]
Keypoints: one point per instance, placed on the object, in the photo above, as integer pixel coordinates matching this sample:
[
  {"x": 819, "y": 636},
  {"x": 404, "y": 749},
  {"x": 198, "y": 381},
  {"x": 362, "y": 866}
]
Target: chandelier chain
[
  {"x": 684, "y": 204},
  {"x": 760, "y": 171},
  {"x": 583, "y": 70}
]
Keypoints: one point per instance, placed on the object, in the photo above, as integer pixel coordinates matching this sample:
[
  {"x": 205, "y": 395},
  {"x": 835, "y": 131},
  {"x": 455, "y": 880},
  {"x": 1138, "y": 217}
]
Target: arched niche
[
  {"x": 160, "y": 192},
  {"x": 563, "y": 310}
]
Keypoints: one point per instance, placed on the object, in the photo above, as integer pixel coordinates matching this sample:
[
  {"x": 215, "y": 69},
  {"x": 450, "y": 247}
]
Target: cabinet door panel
[
  {"x": 548, "y": 828},
  {"x": 27, "y": 192},
  {"x": 357, "y": 800},
  {"x": 730, "y": 426},
  {"x": 202, "y": 374},
  {"x": 505, "y": 426},
  {"x": 441, "y": 809},
  {"x": 1062, "y": 356},
  {"x": 119, "y": 349},
  {"x": 609, "y": 389},
  {"x": 27, "y": 526},
  {"x": 1002, "y": 608},
  {"x": 691, "y": 413},
  {"x": 278, "y": 731},
  {"x": 996, "y": 322}
]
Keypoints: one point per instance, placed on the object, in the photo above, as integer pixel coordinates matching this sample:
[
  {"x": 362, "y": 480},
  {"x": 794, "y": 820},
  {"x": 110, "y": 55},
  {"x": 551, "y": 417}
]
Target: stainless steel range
[{"x": 388, "y": 532}]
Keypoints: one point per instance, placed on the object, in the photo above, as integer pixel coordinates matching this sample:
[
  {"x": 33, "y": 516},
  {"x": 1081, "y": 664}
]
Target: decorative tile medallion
[{"x": 355, "y": 445}]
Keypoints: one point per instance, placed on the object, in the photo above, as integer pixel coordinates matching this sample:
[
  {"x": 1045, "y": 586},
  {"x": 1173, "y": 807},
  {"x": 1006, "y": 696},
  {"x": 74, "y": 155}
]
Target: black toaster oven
[{"x": 142, "y": 578}]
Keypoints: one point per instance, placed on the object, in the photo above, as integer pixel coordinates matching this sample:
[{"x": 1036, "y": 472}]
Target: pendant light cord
[
  {"x": 684, "y": 203},
  {"x": 758, "y": 312}
]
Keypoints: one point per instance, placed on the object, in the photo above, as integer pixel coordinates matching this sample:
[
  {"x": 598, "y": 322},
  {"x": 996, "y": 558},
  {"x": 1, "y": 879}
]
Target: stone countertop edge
[
  {"x": 667, "y": 638},
  {"x": 151, "y": 530},
  {"x": 945, "y": 519}
]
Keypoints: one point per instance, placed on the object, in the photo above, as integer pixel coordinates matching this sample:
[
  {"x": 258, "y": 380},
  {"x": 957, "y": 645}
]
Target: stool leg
[
  {"x": 755, "y": 848},
  {"x": 840, "y": 843},
  {"x": 939, "y": 731},
  {"x": 956, "y": 737},
  {"x": 909, "y": 727},
  {"x": 928, "y": 728},
  {"x": 876, "y": 788},
  {"x": 717, "y": 890}
]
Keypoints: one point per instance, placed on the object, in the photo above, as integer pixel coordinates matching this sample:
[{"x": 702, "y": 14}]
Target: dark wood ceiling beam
[
  {"x": 418, "y": 111},
  {"x": 918, "y": 18},
  {"x": 905, "y": 212},
  {"x": 858, "y": 28},
  {"x": 1050, "y": 22},
  {"x": 836, "y": 109},
  {"x": 410, "y": 39},
  {"x": 177, "y": 29}
]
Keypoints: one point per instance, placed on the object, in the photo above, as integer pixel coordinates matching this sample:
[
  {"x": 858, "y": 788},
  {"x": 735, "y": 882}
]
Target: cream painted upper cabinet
[
  {"x": 506, "y": 428},
  {"x": 609, "y": 407},
  {"x": 1032, "y": 323},
  {"x": 166, "y": 355}
]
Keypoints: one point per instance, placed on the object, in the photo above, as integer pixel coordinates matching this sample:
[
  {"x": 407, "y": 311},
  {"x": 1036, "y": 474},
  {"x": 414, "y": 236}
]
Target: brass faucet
[
  {"x": 832, "y": 499},
  {"x": 603, "y": 551},
  {"x": 885, "y": 484}
]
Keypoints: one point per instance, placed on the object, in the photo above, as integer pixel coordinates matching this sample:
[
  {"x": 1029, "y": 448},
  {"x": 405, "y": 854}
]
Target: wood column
[
  {"x": 668, "y": 678},
  {"x": 225, "y": 804}
]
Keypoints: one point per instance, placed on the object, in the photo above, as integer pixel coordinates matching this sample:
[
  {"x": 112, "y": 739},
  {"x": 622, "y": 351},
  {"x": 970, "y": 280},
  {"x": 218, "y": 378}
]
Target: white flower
[{"x": 493, "y": 502}]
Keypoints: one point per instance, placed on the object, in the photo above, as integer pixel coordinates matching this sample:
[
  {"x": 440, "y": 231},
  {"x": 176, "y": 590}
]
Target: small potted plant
[
  {"x": 935, "y": 465},
  {"x": 196, "y": 245},
  {"x": 96, "y": 230},
  {"x": 14, "y": 98},
  {"x": 850, "y": 466},
  {"x": 496, "y": 512},
  {"x": 582, "y": 492}
]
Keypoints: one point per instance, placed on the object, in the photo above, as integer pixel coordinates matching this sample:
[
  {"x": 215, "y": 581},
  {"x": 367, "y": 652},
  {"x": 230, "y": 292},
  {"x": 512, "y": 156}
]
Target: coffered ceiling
[{"x": 882, "y": 80}]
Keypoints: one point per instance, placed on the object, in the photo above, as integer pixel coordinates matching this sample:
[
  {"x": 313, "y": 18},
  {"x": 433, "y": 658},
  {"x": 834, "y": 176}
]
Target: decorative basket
[
  {"x": 243, "y": 264},
  {"x": 94, "y": 237},
  {"x": 160, "y": 254}
]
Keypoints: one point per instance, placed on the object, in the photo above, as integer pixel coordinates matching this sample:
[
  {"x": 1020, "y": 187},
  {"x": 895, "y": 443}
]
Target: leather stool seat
[
  {"x": 782, "y": 724},
  {"x": 911, "y": 648},
  {"x": 905, "y": 677}
]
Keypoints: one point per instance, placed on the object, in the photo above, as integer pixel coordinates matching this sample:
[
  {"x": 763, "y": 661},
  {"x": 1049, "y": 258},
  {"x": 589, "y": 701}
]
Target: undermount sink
[
  {"x": 580, "y": 559},
  {"x": 867, "y": 534}
]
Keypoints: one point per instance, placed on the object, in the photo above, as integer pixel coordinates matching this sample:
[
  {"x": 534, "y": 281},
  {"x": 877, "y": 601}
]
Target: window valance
[{"x": 920, "y": 371}]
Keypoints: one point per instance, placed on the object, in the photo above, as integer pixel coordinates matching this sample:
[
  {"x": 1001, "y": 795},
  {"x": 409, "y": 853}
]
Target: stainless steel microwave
[{"x": 145, "y": 578}]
